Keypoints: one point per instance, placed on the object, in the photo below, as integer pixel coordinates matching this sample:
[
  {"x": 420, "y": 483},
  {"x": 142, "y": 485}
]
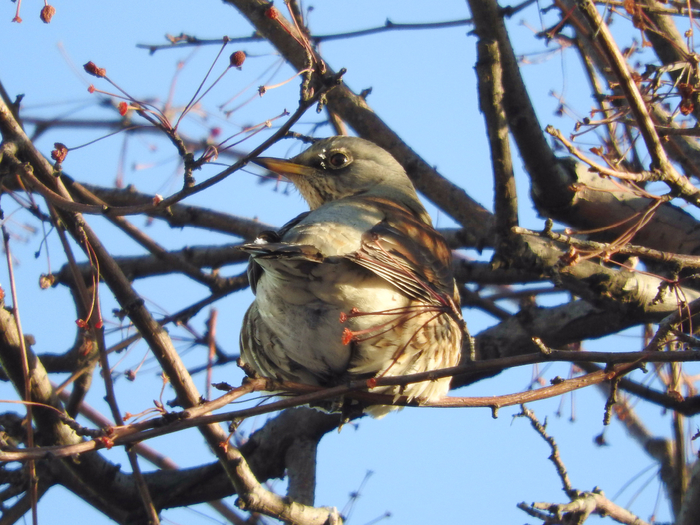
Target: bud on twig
[
  {"x": 91, "y": 69},
  {"x": 237, "y": 59},
  {"x": 47, "y": 13}
]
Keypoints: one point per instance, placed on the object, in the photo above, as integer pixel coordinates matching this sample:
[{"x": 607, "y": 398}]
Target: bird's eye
[{"x": 338, "y": 160}]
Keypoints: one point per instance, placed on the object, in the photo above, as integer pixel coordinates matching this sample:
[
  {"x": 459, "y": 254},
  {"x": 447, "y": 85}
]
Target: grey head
[{"x": 340, "y": 167}]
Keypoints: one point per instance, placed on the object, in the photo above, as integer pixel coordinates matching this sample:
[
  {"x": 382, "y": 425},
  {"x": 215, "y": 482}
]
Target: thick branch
[{"x": 539, "y": 159}]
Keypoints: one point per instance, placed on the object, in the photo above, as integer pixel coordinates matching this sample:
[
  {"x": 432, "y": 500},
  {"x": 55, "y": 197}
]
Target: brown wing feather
[{"x": 409, "y": 253}]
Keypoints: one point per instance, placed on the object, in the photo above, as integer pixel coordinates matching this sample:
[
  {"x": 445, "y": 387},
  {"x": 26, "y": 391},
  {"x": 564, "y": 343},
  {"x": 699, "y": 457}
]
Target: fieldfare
[{"x": 361, "y": 286}]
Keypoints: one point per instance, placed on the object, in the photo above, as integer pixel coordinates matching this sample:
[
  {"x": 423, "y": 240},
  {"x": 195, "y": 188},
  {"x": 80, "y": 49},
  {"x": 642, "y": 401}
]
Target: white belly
[{"x": 305, "y": 314}]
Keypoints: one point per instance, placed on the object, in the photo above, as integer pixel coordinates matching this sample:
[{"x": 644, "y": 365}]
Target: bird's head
[{"x": 340, "y": 167}]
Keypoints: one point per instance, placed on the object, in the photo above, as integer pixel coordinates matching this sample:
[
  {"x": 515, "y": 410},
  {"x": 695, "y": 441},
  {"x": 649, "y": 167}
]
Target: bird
[{"x": 359, "y": 287}]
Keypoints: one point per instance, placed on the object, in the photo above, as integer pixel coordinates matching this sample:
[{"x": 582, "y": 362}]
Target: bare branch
[
  {"x": 660, "y": 161},
  {"x": 491, "y": 94},
  {"x": 585, "y": 504}
]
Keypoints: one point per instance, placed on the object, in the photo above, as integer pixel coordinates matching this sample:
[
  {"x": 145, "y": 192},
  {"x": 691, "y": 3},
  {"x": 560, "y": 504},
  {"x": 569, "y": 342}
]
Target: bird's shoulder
[
  {"x": 329, "y": 233},
  {"x": 336, "y": 228},
  {"x": 391, "y": 239}
]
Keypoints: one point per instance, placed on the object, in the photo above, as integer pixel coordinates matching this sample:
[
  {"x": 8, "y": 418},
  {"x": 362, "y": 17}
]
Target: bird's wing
[
  {"x": 409, "y": 254},
  {"x": 268, "y": 245},
  {"x": 283, "y": 250}
]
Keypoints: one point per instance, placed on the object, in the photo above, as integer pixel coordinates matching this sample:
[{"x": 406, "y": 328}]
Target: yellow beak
[{"x": 283, "y": 167}]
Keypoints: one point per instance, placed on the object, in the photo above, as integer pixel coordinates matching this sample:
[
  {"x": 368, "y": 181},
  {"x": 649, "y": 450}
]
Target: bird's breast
[{"x": 305, "y": 314}]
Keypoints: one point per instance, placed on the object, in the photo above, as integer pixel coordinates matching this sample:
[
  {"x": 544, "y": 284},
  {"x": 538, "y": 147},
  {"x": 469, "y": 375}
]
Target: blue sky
[{"x": 448, "y": 466}]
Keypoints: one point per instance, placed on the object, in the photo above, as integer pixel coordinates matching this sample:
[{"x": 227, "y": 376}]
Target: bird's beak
[{"x": 283, "y": 167}]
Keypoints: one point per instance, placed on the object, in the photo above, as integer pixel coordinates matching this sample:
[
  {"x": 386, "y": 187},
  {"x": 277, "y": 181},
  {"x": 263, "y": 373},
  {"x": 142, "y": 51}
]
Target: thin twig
[
  {"x": 196, "y": 416},
  {"x": 554, "y": 457}
]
